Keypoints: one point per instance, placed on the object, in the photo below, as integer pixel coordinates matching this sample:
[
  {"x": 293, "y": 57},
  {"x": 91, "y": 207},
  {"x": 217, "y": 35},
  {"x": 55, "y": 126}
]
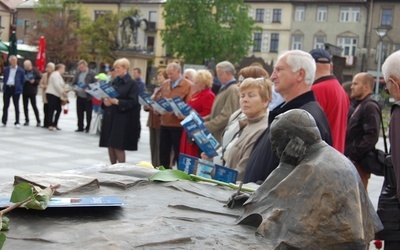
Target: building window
[
  {"x": 322, "y": 13},
  {"x": 276, "y": 15},
  {"x": 319, "y": 42},
  {"x": 386, "y": 17},
  {"x": 152, "y": 21},
  {"x": 348, "y": 44},
  {"x": 27, "y": 24},
  {"x": 385, "y": 50},
  {"x": 100, "y": 13},
  {"x": 299, "y": 13},
  {"x": 152, "y": 16},
  {"x": 350, "y": 14},
  {"x": 274, "y": 42},
  {"x": 297, "y": 42},
  {"x": 150, "y": 44},
  {"x": 260, "y": 15},
  {"x": 257, "y": 42}
]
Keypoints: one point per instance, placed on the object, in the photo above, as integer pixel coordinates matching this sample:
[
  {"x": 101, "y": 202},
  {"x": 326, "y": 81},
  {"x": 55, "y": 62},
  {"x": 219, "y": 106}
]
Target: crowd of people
[{"x": 238, "y": 115}]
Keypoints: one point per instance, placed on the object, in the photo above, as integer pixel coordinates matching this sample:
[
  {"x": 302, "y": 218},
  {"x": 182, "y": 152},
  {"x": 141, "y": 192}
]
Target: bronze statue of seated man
[{"x": 315, "y": 198}]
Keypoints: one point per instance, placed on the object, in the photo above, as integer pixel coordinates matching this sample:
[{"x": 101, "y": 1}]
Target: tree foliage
[
  {"x": 58, "y": 22},
  {"x": 100, "y": 37},
  {"x": 207, "y": 29}
]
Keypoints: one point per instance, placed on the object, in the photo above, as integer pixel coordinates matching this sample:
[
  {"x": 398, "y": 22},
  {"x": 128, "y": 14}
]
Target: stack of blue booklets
[{"x": 206, "y": 169}]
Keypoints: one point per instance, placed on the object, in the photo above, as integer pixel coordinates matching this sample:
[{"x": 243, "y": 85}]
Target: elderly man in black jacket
[
  {"x": 293, "y": 76},
  {"x": 32, "y": 79}
]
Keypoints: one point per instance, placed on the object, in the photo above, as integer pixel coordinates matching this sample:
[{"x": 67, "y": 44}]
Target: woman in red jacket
[{"x": 202, "y": 101}]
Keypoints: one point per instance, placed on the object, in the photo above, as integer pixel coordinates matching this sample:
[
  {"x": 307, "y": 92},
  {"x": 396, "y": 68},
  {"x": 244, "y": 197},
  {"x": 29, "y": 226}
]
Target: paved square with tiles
[{"x": 30, "y": 149}]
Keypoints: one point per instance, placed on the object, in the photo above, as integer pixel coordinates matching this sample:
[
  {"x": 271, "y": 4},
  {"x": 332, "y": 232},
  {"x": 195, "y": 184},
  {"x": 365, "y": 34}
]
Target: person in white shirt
[
  {"x": 54, "y": 92},
  {"x": 14, "y": 78}
]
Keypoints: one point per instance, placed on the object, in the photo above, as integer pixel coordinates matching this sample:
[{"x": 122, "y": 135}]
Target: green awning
[
  {"x": 3, "y": 47},
  {"x": 20, "y": 47}
]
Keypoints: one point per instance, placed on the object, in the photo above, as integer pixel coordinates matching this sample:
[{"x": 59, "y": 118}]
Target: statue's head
[{"x": 292, "y": 133}]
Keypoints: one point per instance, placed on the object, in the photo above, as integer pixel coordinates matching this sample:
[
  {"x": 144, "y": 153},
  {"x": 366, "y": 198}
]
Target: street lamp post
[{"x": 381, "y": 32}]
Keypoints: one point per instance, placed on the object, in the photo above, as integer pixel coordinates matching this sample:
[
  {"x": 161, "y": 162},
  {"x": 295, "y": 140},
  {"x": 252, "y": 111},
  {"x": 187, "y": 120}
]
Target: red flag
[{"x": 41, "y": 56}]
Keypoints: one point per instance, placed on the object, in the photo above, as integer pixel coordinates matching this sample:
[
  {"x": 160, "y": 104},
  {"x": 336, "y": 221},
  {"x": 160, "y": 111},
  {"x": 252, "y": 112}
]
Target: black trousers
[
  {"x": 83, "y": 105},
  {"x": 6, "y": 100},
  {"x": 170, "y": 138},
  {"x": 54, "y": 105},
  {"x": 45, "y": 112},
  {"x": 25, "y": 101}
]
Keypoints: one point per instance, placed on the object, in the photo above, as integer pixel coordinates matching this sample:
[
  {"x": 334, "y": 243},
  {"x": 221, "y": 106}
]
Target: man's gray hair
[
  {"x": 297, "y": 60},
  {"x": 175, "y": 66},
  {"x": 191, "y": 72},
  {"x": 391, "y": 66},
  {"x": 51, "y": 65},
  {"x": 227, "y": 67}
]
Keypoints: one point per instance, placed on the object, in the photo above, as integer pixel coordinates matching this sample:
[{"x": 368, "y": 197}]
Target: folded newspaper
[
  {"x": 194, "y": 126},
  {"x": 145, "y": 100},
  {"x": 163, "y": 105},
  {"x": 179, "y": 107},
  {"x": 80, "y": 87},
  {"x": 101, "y": 90}
]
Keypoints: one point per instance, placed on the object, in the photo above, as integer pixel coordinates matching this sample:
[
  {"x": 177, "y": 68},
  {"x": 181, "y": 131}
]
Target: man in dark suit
[
  {"x": 14, "y": 78},
  {"x": 83, "y": 76}
]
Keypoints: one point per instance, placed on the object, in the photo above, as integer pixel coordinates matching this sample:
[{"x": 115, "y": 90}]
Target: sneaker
[
  {"x": 3, "y": 124},
  {"x": 51, "y": 128},
  {"x": 79, "y": 130},
  {"x": 26, "y": 124},
  {"x": 17, "y": 125},
  {"x": 38, "y": 124}
]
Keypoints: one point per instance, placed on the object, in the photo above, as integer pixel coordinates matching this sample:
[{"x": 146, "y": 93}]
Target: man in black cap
[{"x": 331, "y": 97}]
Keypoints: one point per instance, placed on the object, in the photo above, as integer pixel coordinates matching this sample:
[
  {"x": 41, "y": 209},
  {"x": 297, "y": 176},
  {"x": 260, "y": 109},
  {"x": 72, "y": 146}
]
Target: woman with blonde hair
[
  {"x": 247, "y": 123},
  {"x": 233, "y": 128},
  {"x": 119, "y": 131},
  {"x": 54, "y": 93},
  {"x": 255, "y": 95},
  {"x": 201, "y": 101}
]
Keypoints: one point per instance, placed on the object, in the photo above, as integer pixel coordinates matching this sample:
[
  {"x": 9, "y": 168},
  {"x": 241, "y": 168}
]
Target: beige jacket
[
  {"x": 225, "y": 104},
  {"x": 56, "y": 85},
  {"x": 44, "y": 82},
  {"x": 242, "y": 147}
]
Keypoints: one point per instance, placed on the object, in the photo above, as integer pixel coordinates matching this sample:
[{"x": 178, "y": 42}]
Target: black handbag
[{"x": 375, "y": 160}]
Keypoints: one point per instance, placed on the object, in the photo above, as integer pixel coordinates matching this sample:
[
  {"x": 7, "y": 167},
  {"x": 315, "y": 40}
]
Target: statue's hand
[
  {"x": 237, "y": 199},
  {"x": 294, "y": 151}
]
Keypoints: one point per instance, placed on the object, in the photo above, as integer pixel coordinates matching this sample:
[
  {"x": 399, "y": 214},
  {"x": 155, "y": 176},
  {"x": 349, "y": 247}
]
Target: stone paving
[{"x": 30, "y": 149}]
